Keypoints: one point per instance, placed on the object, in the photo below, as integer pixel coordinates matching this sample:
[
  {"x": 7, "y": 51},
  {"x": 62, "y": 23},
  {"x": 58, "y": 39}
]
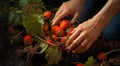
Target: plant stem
[
  {"x": 44, "y": 40},
  {"x": 112, "y": 51}
]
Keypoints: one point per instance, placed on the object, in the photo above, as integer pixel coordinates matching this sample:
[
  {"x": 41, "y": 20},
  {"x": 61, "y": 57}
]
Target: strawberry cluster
[{"x": 58, "y": 32}]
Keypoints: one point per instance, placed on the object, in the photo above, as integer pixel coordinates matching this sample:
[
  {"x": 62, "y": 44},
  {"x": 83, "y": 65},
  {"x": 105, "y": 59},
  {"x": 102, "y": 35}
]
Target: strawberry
[
  {"x": 50, "y": 41},
  {"x": 46, "y": 27},
  {"x": 47, "y": 14},
  {"x": 102, "y": 56},
  {"x": 79, "y": 64},
  {"x": 10, "y": 29},
  {"x": 59, "y": 31},
  {"x": 64, "y": 24},
  {"x": 54, "y": 37},
  {"x": 28, "y": 39},
  {"x": 63, "y": 39},
  {"x": 69, "y": 32},
  {"x": 54, "y": 27}
]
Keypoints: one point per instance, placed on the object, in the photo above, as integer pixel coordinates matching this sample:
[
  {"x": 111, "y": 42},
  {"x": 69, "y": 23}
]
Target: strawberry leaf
[
  {"x": 53, "y": 55},
  {"x": 89, "y": 62},
  {"x": 33, "y": 25},
  {"x": 23, "y": 3}
]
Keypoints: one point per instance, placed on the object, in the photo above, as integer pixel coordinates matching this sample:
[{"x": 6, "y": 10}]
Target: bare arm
[
  {"x": 111, "y": 8},
  {"x": 87, "y": 32}
]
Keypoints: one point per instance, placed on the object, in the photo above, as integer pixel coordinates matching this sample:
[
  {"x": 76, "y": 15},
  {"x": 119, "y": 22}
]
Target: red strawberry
[
  {"x": 50, "y": 41},
  {"x": 54, "y": 37},
  {"x": 10, "y": 29},
  {"x": 46, "y": 27},
  {"x": 47, "y": 14},
  {"x": 79, "y": 64},
  {"x": 59, "y": 31},
  {"x": 28, "y": 39},
  {"x": 54, "y": 27},
  {"x": 64, "y": 24},
  {"x": 69, "y": 32},
  {"x": 63, "y": 39},
  {"x": 102, "y": 56}
]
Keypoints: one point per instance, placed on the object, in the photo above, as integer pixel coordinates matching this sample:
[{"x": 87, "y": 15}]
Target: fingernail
[
  {"x": 52, "y": 23},
  {"x": 73, "y": 51}
]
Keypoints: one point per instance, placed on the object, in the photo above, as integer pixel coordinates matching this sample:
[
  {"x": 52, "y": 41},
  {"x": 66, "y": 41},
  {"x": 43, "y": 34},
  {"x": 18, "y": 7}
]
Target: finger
[
  {"x": 81, "y": 46},
  {"x": 60, "y": 16},
  {"x": 59, "y": 10},
  {"x": 69, "y": 41},
  {"x": 73, "y": 30},
  {"x": 75, "y": 17},
  {"x": 56, "y": 15},
  {"x": 86, "y": 47},
  {"x": 72, "y": 37},
  {"x": 77, "y": 32},
  {"x": 78, "y": 40}
]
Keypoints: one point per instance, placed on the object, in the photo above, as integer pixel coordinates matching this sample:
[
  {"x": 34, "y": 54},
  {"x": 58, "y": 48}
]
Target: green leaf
[
  {"x": 11, "y": 16},
  {"x": 32, "y": 25},
  {"x": 43, "y": 46},
  {"x": 90, "y": 62},
  {"x": 23, "y": 3},
  {"x": 53, "y": 55}
]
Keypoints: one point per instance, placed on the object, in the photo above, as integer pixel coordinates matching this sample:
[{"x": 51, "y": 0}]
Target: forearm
[
  {"x": 78, "y": 1},
  {"x": 111, "y": 8}
]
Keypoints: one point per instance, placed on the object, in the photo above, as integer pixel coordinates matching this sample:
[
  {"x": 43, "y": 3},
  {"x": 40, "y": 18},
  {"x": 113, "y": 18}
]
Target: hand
[
  {"x": 83, "y": 36},
  {"x": 72, "y": 8}
]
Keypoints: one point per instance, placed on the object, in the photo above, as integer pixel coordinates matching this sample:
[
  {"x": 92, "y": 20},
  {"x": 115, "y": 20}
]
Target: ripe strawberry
[
  {"x": 10, "y": 29},
  {"x": 54, "y": 37},
  {"x": 46, "y": 27},
  {"x": 63, "y": 39},
  {"x": 59, "y": 31},
  {"x": 79, "y": 64},
  {"x": 69, "y": 32},
  {"x": 64, "y": 24},
  {"x": 47, "y": 14},
  {"x": 50, "y": 41},
  {"x": 102, "y": 56},
  {"x": 28, "y": 39},
  {"x": 54, "y": 27}
]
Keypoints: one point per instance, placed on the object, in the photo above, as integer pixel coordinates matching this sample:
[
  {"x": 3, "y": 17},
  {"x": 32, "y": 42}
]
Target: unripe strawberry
[
  {"x": 64, "y": 24},
  {"x": 47, "y": 14},
  {"x": 28, "y": 40}
]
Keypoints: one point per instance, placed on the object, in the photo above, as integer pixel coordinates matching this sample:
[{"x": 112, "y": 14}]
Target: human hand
[
  {"x": 83, "y": 36},
  {"x": 72, "y": 8}
]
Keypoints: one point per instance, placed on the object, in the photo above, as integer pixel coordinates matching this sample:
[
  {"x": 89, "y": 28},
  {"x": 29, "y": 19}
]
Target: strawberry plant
[{"x": 31, "y": 31}]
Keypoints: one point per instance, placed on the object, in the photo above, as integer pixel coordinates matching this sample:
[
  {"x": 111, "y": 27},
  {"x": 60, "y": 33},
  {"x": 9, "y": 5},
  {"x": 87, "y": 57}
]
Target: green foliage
[
  {"x": 53, "y": 55},
  {"x": 33, "y": 24},
  {"x": 23, "y": 3},
  {"x": 43, "y": 46},
  {"x": 90, "y": 62}
]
